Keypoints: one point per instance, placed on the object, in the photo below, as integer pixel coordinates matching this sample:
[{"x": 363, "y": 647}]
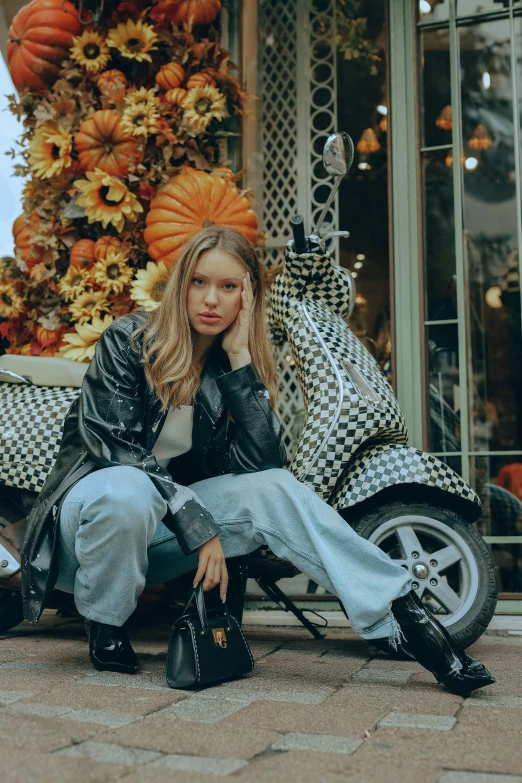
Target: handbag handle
[{"x": 197, "y": 592}]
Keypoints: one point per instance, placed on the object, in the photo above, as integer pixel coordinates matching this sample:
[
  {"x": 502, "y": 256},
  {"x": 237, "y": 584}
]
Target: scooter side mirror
[{"x": 338, "y": 154}]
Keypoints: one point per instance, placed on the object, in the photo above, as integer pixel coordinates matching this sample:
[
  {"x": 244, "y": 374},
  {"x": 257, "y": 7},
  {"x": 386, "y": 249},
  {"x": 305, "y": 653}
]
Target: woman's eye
[
  {"x": 197, "y": 280},
  {"x": 232, "y": 286}
]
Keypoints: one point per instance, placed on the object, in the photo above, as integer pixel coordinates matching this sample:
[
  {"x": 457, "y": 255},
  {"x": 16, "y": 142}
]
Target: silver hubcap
[{"x": 428, "y": 549}]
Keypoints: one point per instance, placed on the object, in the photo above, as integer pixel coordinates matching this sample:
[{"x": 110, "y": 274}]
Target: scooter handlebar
[{"x": 301, "y": 244}]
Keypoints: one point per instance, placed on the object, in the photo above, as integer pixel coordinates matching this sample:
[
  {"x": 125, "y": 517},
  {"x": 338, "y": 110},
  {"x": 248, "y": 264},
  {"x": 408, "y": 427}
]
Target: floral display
[{"x": 124, "y": 108}]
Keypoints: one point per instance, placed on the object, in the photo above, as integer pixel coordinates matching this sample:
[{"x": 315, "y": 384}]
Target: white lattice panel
[{"x": 298, "y": 112}]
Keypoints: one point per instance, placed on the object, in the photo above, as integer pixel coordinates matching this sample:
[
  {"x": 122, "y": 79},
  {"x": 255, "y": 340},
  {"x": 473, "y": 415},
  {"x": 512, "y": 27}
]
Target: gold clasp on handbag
[{"x": 219, "y": 636}]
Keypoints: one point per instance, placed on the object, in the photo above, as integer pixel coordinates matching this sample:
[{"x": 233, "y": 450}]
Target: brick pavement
[{"x": 313, "y": 711}]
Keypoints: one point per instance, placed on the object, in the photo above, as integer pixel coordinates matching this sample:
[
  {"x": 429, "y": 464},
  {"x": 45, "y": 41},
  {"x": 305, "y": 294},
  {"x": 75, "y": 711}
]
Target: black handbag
[{"x": 206, "y": 647}]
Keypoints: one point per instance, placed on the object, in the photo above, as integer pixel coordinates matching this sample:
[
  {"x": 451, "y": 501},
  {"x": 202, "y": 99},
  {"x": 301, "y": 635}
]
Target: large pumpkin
[
  {"x": 180, "y": 11},
  {"x": 103, "y": 143},
  {"x": 39, "y": 39},
  {"x": 190, "y": 201}
]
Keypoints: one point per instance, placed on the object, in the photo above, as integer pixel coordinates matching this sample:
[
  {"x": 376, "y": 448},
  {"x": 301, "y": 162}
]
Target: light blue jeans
[{"x": 112, "y": 543}]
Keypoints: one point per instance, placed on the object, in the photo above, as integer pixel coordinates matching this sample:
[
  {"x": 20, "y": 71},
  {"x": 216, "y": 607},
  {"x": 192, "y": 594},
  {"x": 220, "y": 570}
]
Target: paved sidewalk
[{"x": 312, "y": 712}]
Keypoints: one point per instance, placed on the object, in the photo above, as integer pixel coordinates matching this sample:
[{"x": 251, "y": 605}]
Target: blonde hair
[{"x": 168, "y": 347}]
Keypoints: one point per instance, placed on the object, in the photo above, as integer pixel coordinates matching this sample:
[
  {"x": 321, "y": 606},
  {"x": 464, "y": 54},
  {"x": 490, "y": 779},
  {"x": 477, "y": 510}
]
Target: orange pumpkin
[
  {"x": 112, "y": 84},
  {"x": 39, "y": 39},
  {"x": 170, "y": 76},
  {"x": 180, "y": 11},
  {"x": 22, "y": 235},
  {"x": 190, "y": 201},
  {"x": 105, "y": 243},
  {"x": 82, "y": 254},
  {"x": 175, "y": 96},
  {"x": 103, "y": 143},
  {"x": 200, "y": 79}
]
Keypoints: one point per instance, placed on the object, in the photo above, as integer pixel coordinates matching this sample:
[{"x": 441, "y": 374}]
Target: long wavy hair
[{"x": 168, "y": 339}]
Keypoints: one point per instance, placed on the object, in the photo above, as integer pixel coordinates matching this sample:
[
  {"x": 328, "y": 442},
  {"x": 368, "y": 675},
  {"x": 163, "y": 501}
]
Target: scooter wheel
[{"x": 451, "y": 566}]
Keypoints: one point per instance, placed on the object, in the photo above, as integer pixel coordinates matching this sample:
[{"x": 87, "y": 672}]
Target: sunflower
[
  {"x": 149, "y": 284},
  {"x": 201, "y": 105},
  {"x": 11, "y": 304},
  {"x": 107, "y": 199},
  {"x": 90, "y": 50},
  {"x": 133, "y": 39},
  {"x": 50, "y": 151},
  {"x": 88, "y": 305},
  {"x": 73, "y": 283},
  {"x": 140, "y": 120},
  {"x": 112, "y": 272},
  {"x": 143, "y": 96},
  {"x": 82, "y": 343}
]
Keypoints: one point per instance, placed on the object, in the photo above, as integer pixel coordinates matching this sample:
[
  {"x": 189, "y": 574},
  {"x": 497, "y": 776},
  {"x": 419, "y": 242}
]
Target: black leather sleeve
[
  {"x": 110, "y": 423},
  {"x": 256, "y": 442}
]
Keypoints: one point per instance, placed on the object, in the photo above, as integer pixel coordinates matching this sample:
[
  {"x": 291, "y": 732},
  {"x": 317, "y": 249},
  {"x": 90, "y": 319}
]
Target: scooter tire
[
  {"x": 11, "y": 610},
  {"x": 482, "y": 594}
]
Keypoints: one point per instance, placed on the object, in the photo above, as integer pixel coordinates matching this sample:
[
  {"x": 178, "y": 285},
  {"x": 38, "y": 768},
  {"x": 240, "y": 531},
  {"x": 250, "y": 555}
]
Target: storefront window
[{"x": 472, "y": 223}]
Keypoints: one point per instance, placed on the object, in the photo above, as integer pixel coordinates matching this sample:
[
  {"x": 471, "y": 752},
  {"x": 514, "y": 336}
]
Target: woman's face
[{"x": 214, "y": 292}]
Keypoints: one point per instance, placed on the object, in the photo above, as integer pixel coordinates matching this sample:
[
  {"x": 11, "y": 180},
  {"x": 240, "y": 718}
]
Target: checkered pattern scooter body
[{"x": 348, "y": 401}]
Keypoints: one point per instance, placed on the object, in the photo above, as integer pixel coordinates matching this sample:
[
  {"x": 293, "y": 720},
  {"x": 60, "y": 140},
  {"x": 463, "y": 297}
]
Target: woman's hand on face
[
  {"x": 212, "y": 566},
  {"x": 235, "y": 338}
]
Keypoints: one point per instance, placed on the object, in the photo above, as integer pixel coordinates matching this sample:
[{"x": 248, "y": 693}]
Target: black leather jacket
[{"x": 116, "y": 420}]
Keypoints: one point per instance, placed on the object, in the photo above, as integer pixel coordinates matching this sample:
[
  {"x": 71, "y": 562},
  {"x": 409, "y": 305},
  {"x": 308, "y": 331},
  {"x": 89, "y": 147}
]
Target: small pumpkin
[
  {"x": 82, "y": 254},
  {"x": 22, "y": 240},
  {"x": 49, "y": 337},
  {"x": 102, "y": 142},
  {"x": 39, "y": 39},
  {"x": 112, "y": 84},
  {"x": 175, "y": 96},
  {"x": 181, "y": 11},
  {"x": 170, "y": 76},
  {"x": 190, "y": 201},
  {"x": 104, "y": 244},
  {"x": 200, "y": 79}
]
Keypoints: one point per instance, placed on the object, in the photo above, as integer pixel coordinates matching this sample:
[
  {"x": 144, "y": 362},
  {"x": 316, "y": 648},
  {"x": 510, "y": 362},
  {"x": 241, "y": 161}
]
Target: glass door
[{"x": 470, "y": 77}]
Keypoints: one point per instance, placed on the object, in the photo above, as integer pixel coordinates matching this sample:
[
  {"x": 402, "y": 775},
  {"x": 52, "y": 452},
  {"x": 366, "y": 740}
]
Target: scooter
[{"x": 352, "y": 451}]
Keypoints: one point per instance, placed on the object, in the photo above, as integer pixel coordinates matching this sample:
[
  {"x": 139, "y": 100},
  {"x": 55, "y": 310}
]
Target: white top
[{"x": 175, "y": 437}]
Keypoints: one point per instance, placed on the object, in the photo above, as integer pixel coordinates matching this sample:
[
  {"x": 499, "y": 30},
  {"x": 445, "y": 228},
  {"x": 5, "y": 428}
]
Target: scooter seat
[{"x": 43, "y": 370}]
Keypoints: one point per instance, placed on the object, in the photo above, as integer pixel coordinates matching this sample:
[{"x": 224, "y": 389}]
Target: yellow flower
[
  {"x": 107, "y": 199},
  {"x": 50, "y": 151},
  {"x": 140, "y": 120},
  {"x": 82, "y": 344},
  {"x": 112, "y": 272},
  {"x": 149, "y": 284},
  {"x": 201, "y": 105},
  {"x": 88, "y": 305},
  {"x": 90, "y": 51},
  {"x": 11, "y": 304},
  {"x": 133, "y": 39},
  {"x": 143, "y": 96},
  {"x": 73, "y": 283}
]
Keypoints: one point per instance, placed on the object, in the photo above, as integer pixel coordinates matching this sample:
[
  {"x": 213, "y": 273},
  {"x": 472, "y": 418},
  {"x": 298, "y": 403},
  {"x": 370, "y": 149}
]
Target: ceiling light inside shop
[
  {"x": 364, "y": 166},
  {"x": 470, "y": 164},
  {"x": 424, "y": 7},
  {"x": 358, "y": 264},
  {"x": 382, "y": 109},
  {"x": 354, "y": 274},
  {"x": 493, "y": 296},
  {"x": 486, "y": 80},
  {"x": 360, "y": 257}
]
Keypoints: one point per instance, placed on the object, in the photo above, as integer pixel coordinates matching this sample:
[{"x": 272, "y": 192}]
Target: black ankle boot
[
  {"x": 433, "y": 647},
  {"x": 110, "y": 649}
]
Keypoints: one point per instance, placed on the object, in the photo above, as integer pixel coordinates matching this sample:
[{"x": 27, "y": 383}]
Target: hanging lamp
[
  {"x": 444, "y": 120},
  {"x": 368, "y": 142},
  {"x": 481, "y": 140}
]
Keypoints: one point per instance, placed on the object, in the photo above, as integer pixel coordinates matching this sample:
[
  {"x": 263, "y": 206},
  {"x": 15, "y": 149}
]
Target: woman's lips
[{"x": 209, "y": 319}]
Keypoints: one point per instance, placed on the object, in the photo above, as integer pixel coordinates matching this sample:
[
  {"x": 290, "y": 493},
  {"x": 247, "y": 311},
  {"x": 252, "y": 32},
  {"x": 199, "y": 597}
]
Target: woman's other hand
[
  {"x": 212, "y": 566},
  {"x": 235, "y": 339}
]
